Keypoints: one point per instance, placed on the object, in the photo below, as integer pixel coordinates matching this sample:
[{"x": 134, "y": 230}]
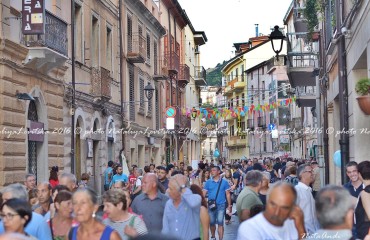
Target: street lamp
[
  {"x": 149, "y": 89},
  {"x": 275, "y": 36}
]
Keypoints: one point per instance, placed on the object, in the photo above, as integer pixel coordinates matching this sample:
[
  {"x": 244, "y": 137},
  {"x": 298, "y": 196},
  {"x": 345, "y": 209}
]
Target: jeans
[{"x": 217, "y": 216}]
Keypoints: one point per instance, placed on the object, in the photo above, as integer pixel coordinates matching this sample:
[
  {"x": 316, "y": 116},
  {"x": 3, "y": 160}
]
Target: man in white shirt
[
  {"x": 281, "y": 220},
  {"x": 305, "y": 199}
]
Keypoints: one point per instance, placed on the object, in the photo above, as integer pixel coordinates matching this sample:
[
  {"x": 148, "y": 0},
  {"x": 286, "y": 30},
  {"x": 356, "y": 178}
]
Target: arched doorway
[{"x": 32, "y": 145}]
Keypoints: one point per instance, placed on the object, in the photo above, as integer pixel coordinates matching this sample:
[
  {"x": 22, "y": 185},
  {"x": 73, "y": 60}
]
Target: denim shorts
[{"x": 217, "y": 216}]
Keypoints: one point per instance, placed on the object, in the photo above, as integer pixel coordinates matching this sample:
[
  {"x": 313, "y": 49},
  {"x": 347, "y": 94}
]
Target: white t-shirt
[{"x": 259, "y": 228}]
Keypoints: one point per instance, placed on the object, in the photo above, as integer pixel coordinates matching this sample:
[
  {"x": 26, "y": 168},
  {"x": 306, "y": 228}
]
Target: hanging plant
[{"x": 313, "y": 7}]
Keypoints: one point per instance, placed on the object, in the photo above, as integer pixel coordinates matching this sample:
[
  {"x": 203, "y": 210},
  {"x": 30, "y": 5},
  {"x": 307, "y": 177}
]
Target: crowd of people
[{"x": 274, "y": 199}]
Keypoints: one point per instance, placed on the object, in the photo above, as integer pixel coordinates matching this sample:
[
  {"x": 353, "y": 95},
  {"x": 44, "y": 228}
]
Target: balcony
[
  {"x": 305, "y": 96},
  {"x": 261, "y": 122},
  {"x": 183, "y": 123},
  {"x": 200, "y": 76},
  {"x": 184, "y": 75},
  {"x": 136, "y": 48},
  {"x": 236, "y": 142},
  {"x": 239, "y": 86},
  {"x": 161, "y": 70},
  {"x": 229, "y": 118},
  {"x": 50, "y": 50},
  {"x": 173, "y": 61},
  {"x": 250, "y": 124},
  {"x": 302, "y": 68},
  {"x": 228, "y": 91},
  {"x": 299, "y": 20},
  {"x": 101, "y": 84}
]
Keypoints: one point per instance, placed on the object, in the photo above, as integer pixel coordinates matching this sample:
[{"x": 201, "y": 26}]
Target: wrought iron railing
[
  {"x": 55, "y": 36},
  {"x": 100, "y": 82},
  {"x": 200, "y": 72},
  {"x": 173, "y": 60},
  {"x": 184, "y": 73},
  {"x": 136, "y": 45}
]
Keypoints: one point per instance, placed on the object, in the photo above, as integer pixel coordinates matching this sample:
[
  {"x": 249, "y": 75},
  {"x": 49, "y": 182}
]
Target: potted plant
[{"x": 363, "y": 89}]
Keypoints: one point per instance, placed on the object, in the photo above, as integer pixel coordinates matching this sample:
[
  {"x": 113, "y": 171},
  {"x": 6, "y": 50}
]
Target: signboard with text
[{"x": 33, "y": 17}]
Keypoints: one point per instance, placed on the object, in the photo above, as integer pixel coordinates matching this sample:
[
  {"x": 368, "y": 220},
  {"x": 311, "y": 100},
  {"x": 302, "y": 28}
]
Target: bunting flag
[{"x": 236, "y": 112}]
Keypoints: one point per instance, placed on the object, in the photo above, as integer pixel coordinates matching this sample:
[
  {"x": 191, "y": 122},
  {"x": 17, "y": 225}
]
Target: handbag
[{"x": 212, "y": 202}]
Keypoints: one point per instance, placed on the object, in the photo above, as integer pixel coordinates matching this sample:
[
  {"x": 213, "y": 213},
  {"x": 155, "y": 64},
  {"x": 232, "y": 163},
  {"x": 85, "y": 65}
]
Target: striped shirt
[{"x": 134, "y": 221}]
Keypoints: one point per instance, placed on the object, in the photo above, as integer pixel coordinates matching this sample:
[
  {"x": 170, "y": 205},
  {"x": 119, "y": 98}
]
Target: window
[
  {"x": 141, "y": 94},
  {"x": 141, "y": 39},
  {"x": 232, "y": 130},
  {"x": 232, "y": 103},
  {"x": 236, "y": 73},
  {"x": 252, "y": 93},
  {"x": 148, "y": 47},
  {"x": 263, "y": 70},
  {"x": 263, "y": 90},
  {"x": 157, "y": 117},
  {"x": 243, "y": 99},
  {"x": 155, "y": 55},
  {"x": 242, "y": 70},
  {"x": 251, "y": 75},
  {"x": 129, "y": 33},
  {"x": 237, "y": 101},
  {"x": 132, "y": 92},
  {"x": 150, "y": 105},
  {"x": 95, "y": 41},
  {"x": 109, "y": 48}
]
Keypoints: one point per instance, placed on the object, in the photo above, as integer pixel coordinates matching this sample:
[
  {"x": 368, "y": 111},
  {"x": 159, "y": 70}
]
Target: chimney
[{"x": 256, "y": 29}]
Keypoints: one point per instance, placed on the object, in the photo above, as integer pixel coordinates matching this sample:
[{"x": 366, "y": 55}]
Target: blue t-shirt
[
  {"x": 37, "y": 227},
  {"x": 117, "y": 178},
  {"x": 211, "y": 186},
  {"x": 106, "y": 172}
]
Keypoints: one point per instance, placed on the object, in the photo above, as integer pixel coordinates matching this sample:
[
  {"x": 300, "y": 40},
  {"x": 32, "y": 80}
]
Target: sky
[{"x": 230, "y": 21}]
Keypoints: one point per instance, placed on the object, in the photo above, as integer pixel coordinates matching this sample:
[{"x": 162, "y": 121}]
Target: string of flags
[{"x": 234, "y": 112}]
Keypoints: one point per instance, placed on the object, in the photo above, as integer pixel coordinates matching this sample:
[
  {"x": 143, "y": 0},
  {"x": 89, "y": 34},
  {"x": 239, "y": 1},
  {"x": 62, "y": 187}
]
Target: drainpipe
[
  {"x": 121, "y": 68},
  {"x": 73, "y": 87},
  {"x": 343, "y": 95}
]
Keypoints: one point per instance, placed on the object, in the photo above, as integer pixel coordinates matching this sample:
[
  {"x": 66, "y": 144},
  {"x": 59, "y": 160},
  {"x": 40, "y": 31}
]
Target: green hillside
[{"x": 214, "y": 75}]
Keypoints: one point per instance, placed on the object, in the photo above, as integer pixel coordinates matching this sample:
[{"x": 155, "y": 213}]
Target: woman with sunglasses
[{"x": 16, "y": 214}]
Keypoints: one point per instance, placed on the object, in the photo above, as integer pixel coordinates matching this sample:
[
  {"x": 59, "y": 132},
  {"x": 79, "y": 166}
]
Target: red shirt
[{"x": 53, "y": 183}]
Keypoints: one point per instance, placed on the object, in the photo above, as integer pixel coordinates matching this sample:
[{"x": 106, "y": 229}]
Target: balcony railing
[
  {"x": 136, "y": 48},
  {"x": 306, "y": 96},
  {"x": 173, "y": 60},
  {"x": 301, "y": 68},
  {"x": 184, "y": 122},
  {"x": 200, "y": 76},
  {"x": 299, "y": 20},
  {"x": 184, "y": 74},
  {"x": 55, "y": 36},
  {"x": 100, "y": 83},
  {"x": 161, "y": 71}
]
